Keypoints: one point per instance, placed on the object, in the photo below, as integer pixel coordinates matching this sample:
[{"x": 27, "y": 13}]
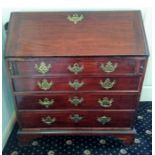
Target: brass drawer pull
[
  {"x": 105, "y": 102},
  {"x": 107, "y": 84},
  {"x": 76, "y": 68},
  {"x": 75, "y": 100},
  {"x": 44, "y": 84},
  {"x": 76, "y": 84},
  {"x": 48, "y": 120},
  {"x": 109, "y": 67},
  {"x": 42, "y": 67},
  {"x": 11, "y": 68},
  {"x": 103, "y": 120},
  {"x": 46, "y": 102},
  {"x": 76, "y": 118},
  {"x": 75, "y": 18}
]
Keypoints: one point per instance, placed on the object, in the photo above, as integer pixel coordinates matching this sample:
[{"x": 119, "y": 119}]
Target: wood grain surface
[{"x": 99, "y": 33}]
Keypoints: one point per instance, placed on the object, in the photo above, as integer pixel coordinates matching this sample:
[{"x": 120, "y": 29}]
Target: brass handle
[
  {"x": 141, "y": 68},
  {"x": 107, "y": 84},
  {"x": 44, "y": 84},
  {"x": 46, "y": 102},
  {"x": 42, "y": 67},
  {"x": 76, "y": 84},
  {"x": 75, "y": 18},
  {"x": 103, "y": 119},
  {"x": 76, "y": 68},
  {"x": 75, "y": 100},
  {"x": 109, "y": 67},
  {"x": 11, "y": 68},
  {"x": 105, "y": 102},
  {"x": 48, "y": 120},
  {"x": 76, "y": 118}
]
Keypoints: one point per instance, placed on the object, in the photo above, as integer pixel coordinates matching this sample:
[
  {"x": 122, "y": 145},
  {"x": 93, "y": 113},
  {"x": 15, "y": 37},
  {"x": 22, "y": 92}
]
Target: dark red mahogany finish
[
  {"x": 129, "y": 65},
  {"x": 101, "y": 37},
  {"x": 63, "y": 119},
  {"x": 99, "y": 34},
  {"x": 62, "y": 84},
  {"x": 90, "y": 101}
]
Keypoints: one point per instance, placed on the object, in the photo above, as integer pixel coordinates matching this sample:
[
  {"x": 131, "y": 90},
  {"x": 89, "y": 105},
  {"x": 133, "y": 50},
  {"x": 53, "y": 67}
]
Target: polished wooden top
[{"x": 39, "y": 34}]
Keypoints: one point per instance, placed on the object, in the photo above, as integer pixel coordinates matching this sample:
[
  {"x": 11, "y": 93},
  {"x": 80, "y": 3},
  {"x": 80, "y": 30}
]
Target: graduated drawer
[
  {"x": 74, "y": 84},
  {"x": 75, "y": 66},
  {"x": 77, "y": 101},
  {"x": 47, "y": 119}
]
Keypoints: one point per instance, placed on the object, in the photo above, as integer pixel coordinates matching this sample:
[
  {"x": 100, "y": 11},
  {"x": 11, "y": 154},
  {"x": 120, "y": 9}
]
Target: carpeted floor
[{"x": 68, "y": 145}]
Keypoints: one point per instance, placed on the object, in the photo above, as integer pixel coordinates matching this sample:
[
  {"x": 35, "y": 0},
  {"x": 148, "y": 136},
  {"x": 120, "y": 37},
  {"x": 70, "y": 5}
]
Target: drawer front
[
  {"x": 72, "y": 84},
  {"x": 46, "y": 119},
  {"x": 77, "y": 66},
  {"x": 77, "y": 101}
]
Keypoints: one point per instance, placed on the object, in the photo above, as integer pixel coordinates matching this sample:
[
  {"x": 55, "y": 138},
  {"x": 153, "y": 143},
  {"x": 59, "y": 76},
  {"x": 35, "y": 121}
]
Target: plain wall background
[{"x": 7, "y": 101}]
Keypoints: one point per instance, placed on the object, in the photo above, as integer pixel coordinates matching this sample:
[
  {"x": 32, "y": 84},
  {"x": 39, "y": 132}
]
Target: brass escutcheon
[
  {"x": 75, "y": 18},
  {"x": 76, "y": 118},
  {"x": 105, "y": 102},
  {"x": 76, "y": 68},
  {"x": 109, "y": 67},
  {"x": 48, "y": 120},
  {"x": 75, "y": 100},
  {"x": 46, "y": 102},
  {"x": 76, "y": 84},
  {"x": 107, "y": 84},
  {"x": 44, "y": 84},
  {"x": 103, "y": 119},
  {"x": 42, "y": 67}
]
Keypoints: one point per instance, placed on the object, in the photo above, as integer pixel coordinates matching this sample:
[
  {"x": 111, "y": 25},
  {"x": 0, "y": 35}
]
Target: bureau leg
[
  {"x": 26, "y": 139},
  {"x": 127, "y": 139}
]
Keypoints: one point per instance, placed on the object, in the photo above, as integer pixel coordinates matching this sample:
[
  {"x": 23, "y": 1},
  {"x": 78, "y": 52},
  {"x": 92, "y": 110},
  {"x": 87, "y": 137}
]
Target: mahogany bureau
[{"x": 76, "y": 73}]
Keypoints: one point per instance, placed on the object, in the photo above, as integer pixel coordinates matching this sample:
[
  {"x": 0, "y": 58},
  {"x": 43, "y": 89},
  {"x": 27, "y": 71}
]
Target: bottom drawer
[{"x": 48, "y": 119}]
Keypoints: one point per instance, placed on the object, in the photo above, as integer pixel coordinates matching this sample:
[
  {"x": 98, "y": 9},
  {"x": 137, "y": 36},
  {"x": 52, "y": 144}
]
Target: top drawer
[{"x": 77, "y": 66}]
